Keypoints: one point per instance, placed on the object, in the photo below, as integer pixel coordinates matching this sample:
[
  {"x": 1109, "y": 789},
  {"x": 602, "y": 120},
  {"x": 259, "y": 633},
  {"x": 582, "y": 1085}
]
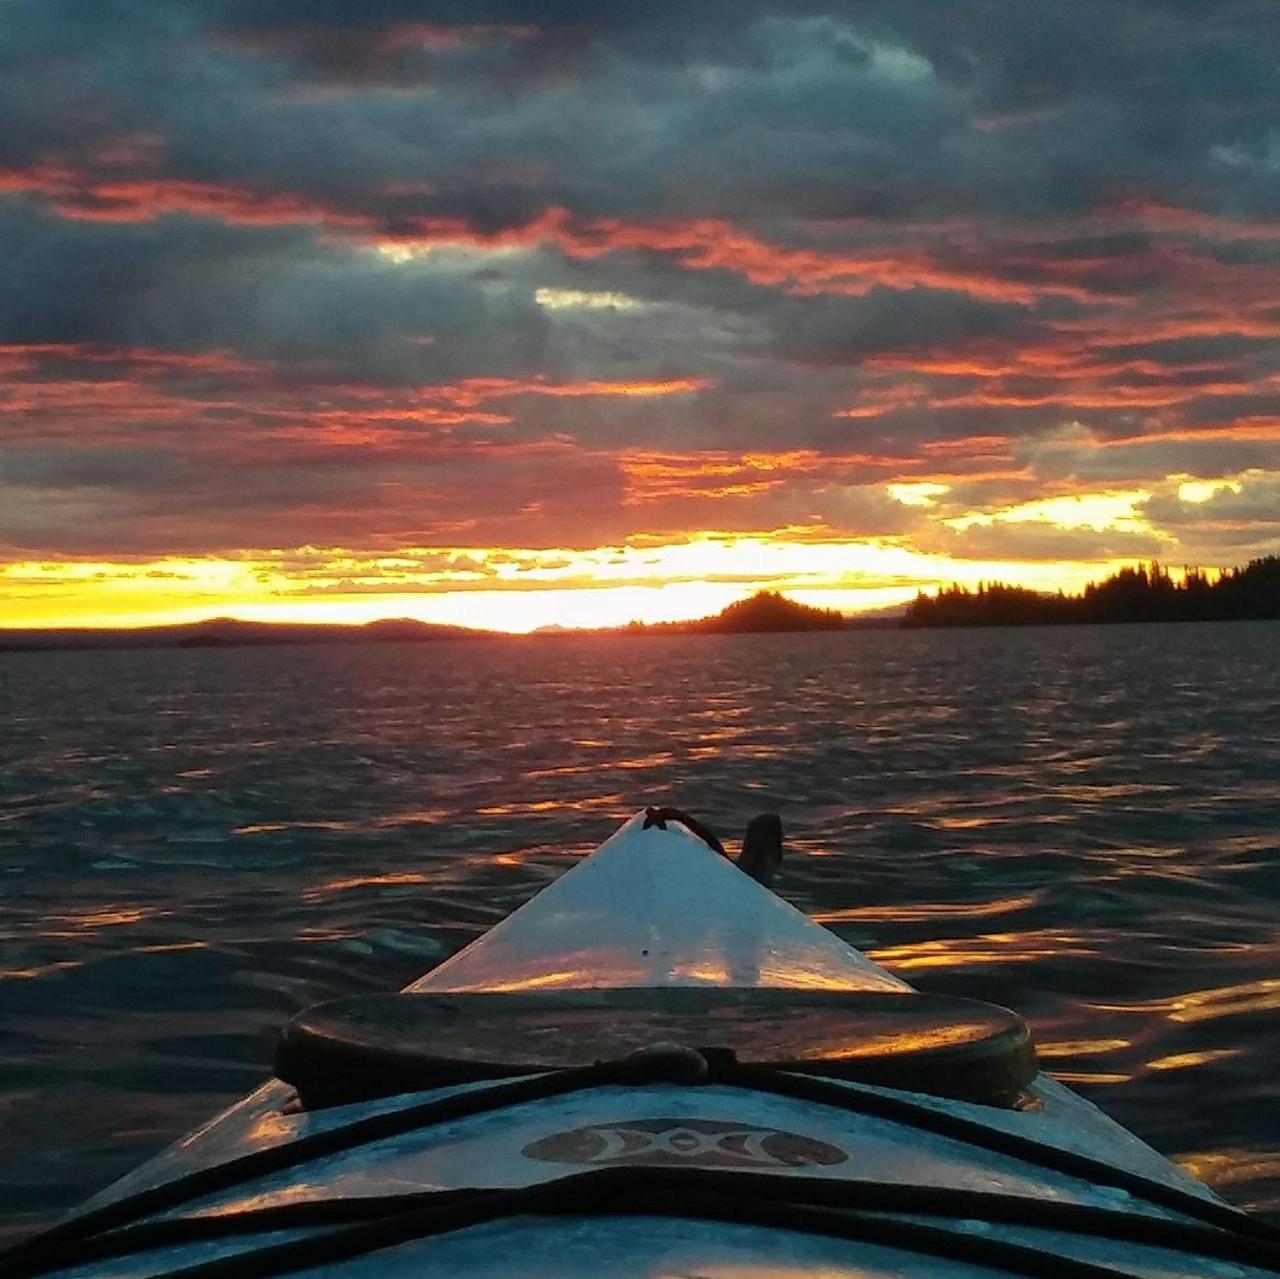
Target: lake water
[{"x": 1082, "y": 823}]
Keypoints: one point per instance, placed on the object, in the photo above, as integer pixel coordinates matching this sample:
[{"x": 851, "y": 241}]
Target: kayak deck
[
  {"x": 664, "y": 1130},
  {"x": 655, "y": 907},
  {"x": 608, "y": 1160}
]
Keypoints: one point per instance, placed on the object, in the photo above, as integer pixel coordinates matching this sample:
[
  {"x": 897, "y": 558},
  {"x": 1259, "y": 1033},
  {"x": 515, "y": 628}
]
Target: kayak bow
[{"x": 657, "y": 1067}]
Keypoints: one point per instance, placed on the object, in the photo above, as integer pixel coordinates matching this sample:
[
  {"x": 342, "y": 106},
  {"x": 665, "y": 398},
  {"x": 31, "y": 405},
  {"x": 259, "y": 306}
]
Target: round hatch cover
[{"x": 377, "y": 1045}]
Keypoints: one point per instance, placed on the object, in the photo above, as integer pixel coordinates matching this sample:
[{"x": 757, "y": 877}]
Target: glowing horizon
[{"x": 522, "y": 590}]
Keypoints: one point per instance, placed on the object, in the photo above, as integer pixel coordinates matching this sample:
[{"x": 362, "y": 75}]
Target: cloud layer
[{"x": 572, "y": 276}]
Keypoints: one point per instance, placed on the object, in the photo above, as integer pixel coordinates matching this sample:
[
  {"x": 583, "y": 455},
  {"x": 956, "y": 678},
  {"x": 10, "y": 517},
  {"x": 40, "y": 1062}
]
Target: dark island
[
  {"x": 1143, "y": 594},
  {"x": 765, "y": 612}
]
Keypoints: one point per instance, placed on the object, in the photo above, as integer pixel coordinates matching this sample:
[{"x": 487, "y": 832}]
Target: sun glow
[
  {"x": 920, "y": 493},
  {"x": 1096, "y": 511},
  {"x": 1199, "y": 491},
  {"x": 502, "y": 589},
  {"x": 551, "y": 299}
]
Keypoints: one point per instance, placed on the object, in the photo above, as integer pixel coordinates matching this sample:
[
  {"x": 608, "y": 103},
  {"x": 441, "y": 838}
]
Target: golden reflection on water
[
  {"x": 276, "y": 828},
  {"x": 76, "y": 924},
  {"x": 645, "y": 761},
  {"x": 901, "y": 913},
  {"x": 1054, "y": 1050},
  {"x": 367, "y": 881},
  {"x": 510, "y": 810},
  {"x": 1237, "y": 1165},
  {"x": 328, "y": 933},
  {"x": 567, "y": 770},
  {"x": 965, "y": 823},
  {"x": 592, "y": 803},
  {"x": 1206, "y": 1005},
  {"x": 1181, "y": 1061},
  {"x": 988, "y": 948},
  {"x": 1091, "y": 1078},
  {"x": 40, "y": 970}
]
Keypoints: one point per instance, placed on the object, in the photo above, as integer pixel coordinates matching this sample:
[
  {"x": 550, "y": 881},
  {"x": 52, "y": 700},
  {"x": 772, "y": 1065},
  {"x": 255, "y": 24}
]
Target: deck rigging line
[{"x": 710, "y": 1195}]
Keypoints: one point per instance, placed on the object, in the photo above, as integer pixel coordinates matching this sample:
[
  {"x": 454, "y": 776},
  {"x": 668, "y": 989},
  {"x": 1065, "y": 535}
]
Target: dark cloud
[
  {"x": 1252, "y": 502},
  {"x": 840, "y": 330},
  {"x": 1041, "y": 540},
  {"x": 273, "y": 293},
  {"x": 1074, "y": 455}
]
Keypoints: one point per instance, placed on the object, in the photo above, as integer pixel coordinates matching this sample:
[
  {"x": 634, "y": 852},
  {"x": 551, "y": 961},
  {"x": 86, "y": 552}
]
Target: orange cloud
[
  {"x": 706, "y": 244},
  {"x": 1065, "y": 360},
  {"x": 477, "y": 390},
  {"x": 1011, "y": 271},
  {"x": 54, "y": 389},
  {"x": 656, "y": 477},
  {"x": 142, "y": 361},
  {"x": 653, "y": 477},
  {"x": 876, "y": 401},
  {"x": 93, "y": 197},
  {"x": 1247, "y": 428},
  {"x": 1120, "y": 397},
  {"x": 1168, "y": 217},
  {"x": 1074, "y": 372}
]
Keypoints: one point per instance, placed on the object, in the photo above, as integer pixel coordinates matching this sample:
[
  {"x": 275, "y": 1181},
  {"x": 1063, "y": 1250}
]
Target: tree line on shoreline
[
  {"x": 1147, "y": 593},
  {"x": 762, "y": 613}
]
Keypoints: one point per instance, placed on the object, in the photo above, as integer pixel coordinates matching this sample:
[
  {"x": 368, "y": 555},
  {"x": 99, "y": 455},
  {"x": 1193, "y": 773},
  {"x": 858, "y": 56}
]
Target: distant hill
[{"x": 228, "y": 632}]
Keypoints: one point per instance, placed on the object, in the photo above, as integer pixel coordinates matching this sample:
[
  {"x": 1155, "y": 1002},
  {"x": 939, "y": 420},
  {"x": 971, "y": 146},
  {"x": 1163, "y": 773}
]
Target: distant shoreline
[
  {"x": 1144, "y": 594},
  {"x": 764, "y": 612},
  {"x": 144, "y": 638},
  {"x": 1133, "y": 595}
]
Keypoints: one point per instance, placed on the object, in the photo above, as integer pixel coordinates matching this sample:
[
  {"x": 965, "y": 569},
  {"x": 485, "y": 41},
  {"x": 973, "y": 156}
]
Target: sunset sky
[{"x": 514, "y": 314}]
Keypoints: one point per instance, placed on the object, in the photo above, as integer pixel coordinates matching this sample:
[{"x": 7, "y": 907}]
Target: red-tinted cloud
[{"x": 102, "y": 197}]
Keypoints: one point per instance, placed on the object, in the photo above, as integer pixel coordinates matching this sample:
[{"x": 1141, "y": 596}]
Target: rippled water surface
[{"x": 1082, "y": 823}]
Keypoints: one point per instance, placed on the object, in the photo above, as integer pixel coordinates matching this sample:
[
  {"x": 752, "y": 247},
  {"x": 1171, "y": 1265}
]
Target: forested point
[
  {"x": 763, "y": 612},
  {"x": 1143, "y": 594},
  {"x": 770, "y": 611}
]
